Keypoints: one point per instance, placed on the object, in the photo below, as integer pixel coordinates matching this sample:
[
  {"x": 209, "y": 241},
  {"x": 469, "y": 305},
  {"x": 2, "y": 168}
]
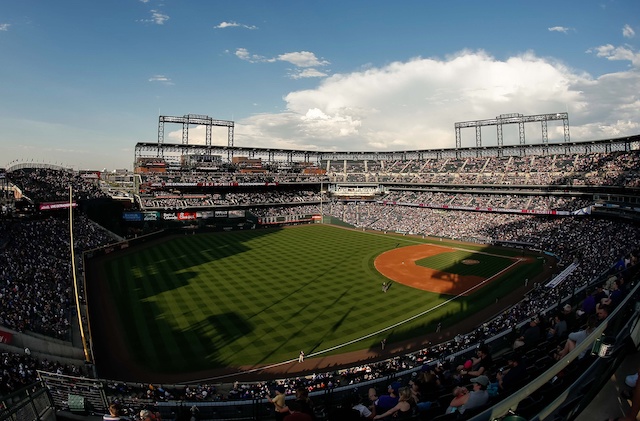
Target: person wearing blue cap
[{"x": 388, "y": 401}]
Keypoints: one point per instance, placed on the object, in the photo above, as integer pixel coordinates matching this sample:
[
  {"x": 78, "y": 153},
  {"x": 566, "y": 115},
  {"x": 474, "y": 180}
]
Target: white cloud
[
  {"x": 613, "y": 53},
  {"x": 243, "y": 54},
  {"x": 161, "y": 79},
  {"x": 4, "y": 26},
  {"x": 159, "y": 18},
  {"x": 306, "y": 73},
  {"x": 414, "y": 105},
  {"x": 302, "y": 59},
  {"x": 223, "y": 25},
  {"x": 628, "y": 32},
  {"x": 144, "y": 1},
  {"x": 562, "y": 29}
]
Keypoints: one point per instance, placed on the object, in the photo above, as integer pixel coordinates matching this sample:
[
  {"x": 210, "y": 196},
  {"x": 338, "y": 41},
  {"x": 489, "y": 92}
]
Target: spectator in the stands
[
  {"x": 558, "y": 330},
  {"x": 514, "y": 374},
  {"x": 476, "y": 366},
  {"x": 464, "y": 400},
  {"x": 301, "y": 408},
  {"x": 603, "y": 312},
  {"x": 589, "y": 302},
  {"x": 114, "y": 413},
  {"x": 576, "y": 338},
  {"x": 402, "y": 410},
  {"x": 389, "y": 400},
  {"x": 279, "y": 403},
  {"x": 530, "y": 335}
]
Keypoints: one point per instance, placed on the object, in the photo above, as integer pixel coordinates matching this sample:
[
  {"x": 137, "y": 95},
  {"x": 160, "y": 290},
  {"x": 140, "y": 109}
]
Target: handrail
[{"x": 510, "y": 403}]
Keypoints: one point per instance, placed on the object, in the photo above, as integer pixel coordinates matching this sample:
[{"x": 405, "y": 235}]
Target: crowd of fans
[
  {"x": 601, "y": 169},
  {"x": 35, "y": 272},
  {"x": 36, "y": 288},
  {"x": 52, "y": 184},
  {"x": 486, "y": 201},
  {"x": 175, "y": 180},
  {"x": 167, "y": 201},
  {"x": 513, "y": 202},
  {"x": 18, "y": 370},
  {"x": 620, "y": 168}
]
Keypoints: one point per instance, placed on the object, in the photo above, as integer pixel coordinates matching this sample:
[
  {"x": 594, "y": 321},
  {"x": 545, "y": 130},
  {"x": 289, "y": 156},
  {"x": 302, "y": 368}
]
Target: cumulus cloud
[
  {"x": 161, "y": 79},
  {"x": 304, "y": 61},
  {"x": 223, "y": 25},
  {"x": 562, "y": 29},
  {"x": 414, "y": 104},
  {"x": 613, "y": 53},
  {"x": 4, "y": 26},
  {"x": 628, "y": 32}
]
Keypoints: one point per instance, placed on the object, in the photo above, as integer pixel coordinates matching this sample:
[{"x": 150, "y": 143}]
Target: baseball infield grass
[{"x": 248, "y": 298}]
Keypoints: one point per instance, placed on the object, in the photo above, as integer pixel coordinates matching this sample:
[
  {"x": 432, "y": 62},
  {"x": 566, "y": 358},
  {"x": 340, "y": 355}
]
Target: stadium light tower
[{"x": 513, "y": 118}]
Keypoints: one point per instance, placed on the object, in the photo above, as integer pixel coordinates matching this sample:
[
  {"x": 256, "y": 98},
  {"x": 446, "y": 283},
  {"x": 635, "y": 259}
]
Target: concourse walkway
[{"x": 609, "y": 403}]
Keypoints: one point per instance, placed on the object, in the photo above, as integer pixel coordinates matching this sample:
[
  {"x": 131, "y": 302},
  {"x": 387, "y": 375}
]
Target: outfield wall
[{"x": 42, "y": 347}]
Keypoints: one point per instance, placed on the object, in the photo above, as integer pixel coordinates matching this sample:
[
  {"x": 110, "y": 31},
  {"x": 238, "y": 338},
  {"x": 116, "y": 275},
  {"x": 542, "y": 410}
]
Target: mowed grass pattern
[{"x": 255, "y": 297}]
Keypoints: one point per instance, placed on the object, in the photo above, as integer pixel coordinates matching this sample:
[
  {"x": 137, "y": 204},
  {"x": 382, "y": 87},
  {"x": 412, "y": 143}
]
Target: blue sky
[{"x": 81, "y": 82}]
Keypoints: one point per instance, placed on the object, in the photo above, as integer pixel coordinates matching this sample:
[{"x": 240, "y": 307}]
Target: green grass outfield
[{"x": 244, "y": 298}]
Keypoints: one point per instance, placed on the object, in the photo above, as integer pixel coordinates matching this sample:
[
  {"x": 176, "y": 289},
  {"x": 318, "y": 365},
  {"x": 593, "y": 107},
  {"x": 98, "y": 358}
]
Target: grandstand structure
[
  {"x": 209, "y": 185},
  {"x": 173, "y": 152},
  {"x": 560, "y": 178}
]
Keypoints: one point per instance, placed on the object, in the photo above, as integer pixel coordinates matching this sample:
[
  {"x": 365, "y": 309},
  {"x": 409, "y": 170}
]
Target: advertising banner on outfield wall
[
  {"x": 236, "y": 214},
  {"x": 222, "y": 214},
  {"x": 204, "y": 214},
  {"x": 284, "y": 219},
  {"x": 186, "y": 216},
  {"x": 151, "y": 216},
  {"x": 132, "y": 216},
  {"x": 56, "y": 205},
  {"x": 5, "y": 337}
]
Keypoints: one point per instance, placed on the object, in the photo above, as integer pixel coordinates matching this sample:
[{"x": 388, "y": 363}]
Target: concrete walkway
[{"x": 609, "y": 403}]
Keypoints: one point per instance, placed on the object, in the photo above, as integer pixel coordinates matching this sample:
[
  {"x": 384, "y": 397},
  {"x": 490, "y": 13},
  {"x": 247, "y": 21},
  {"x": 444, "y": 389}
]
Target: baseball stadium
[{"x": 214, "y": 278}]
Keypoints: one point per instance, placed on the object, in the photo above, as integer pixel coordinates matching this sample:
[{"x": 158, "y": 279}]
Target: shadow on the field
[
  {"x": 332, "y": 329},
  {"x": 216, "y": 332},
  {"x": 168, "y": 265}
]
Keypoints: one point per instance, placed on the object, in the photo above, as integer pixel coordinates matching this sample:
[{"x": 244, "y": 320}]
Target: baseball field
[{"x": 192, "y": 303}]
